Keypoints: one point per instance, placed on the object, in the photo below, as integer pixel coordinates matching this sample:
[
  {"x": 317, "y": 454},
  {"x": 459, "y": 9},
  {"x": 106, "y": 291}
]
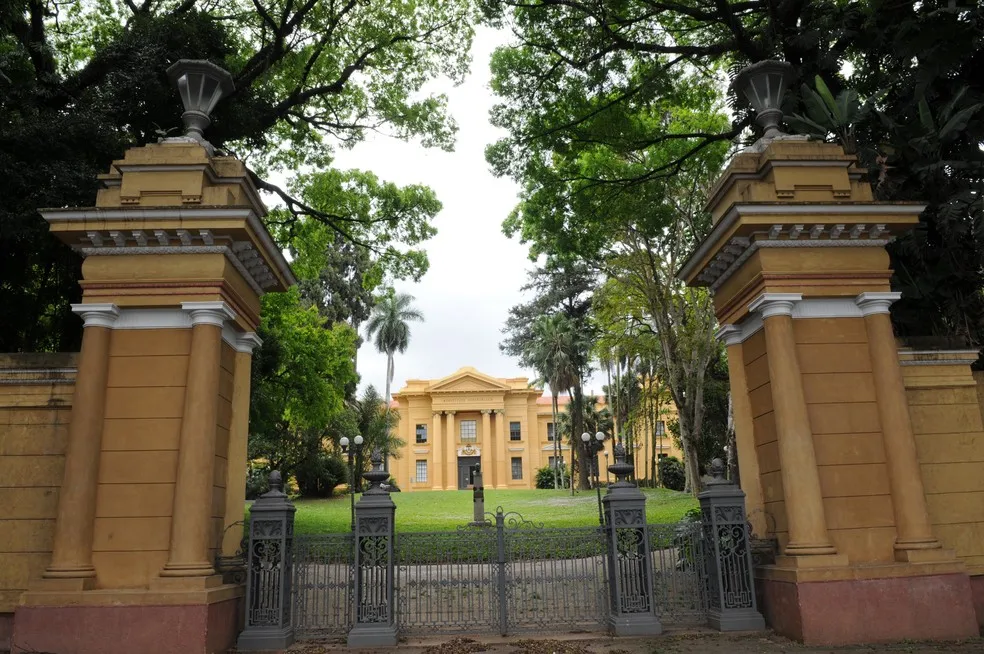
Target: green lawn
[{"x": 446, "y": 510}]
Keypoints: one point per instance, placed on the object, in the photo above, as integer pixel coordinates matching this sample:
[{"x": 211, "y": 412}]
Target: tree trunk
[
  {"x": 558, "y": 480},
  {"x": 578, "y": 444}
]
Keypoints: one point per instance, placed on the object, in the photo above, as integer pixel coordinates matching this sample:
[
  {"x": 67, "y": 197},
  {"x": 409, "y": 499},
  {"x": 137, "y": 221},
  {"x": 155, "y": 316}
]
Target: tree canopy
[{"x": 82, "y": 81}]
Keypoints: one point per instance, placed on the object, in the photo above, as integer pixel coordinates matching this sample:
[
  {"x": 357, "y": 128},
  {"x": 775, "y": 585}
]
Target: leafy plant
[
  {"x": 827, "y": 115},
  {"x": 545, "y": 478}
]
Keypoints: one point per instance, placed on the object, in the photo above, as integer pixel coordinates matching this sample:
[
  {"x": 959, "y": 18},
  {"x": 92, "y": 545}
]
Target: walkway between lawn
[{"x": 446, "y": 510}]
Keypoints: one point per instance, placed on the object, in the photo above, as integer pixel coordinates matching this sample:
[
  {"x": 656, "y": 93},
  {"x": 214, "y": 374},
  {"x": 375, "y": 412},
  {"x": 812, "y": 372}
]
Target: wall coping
[{"x": 37, "y": 368}]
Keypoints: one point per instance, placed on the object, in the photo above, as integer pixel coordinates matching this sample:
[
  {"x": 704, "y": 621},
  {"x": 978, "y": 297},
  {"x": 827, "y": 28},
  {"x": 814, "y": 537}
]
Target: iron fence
[{"x": 322, "y": 584}]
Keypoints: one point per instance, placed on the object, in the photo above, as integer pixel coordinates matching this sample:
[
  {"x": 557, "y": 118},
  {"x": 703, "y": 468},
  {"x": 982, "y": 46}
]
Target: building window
[
  {"x": 468, "y": 431},
  {"x": 517, "y": 467},
  {"x": 421, "y": 433},
  {"x": 556, "y": 462},
  {"x": 421, "y": 471},
  {"x": 550, "y": 431},
  {"x": 663, "y": 456},
  {"x": 514, "y": 433},
  {"x": 660, "y": 428}
]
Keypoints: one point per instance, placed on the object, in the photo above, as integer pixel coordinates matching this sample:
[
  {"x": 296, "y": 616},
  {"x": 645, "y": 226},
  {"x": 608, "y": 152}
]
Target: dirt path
[{"x": 692, "y": 643}]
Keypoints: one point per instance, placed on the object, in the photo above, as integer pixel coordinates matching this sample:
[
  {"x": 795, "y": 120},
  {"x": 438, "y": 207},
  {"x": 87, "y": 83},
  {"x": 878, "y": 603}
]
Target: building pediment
[{"x": 467, "y": 379}]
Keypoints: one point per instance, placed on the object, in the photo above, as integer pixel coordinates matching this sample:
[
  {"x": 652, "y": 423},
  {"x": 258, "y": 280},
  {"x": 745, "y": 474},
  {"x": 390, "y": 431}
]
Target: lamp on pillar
[
  {"x": 201, "y": 85},
  {"x": 352, "y": 453},
  {"x": 765, "y": 85}
]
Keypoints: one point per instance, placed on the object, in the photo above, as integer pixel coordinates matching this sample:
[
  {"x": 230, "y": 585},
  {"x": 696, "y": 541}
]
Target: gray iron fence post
[
  {"x": 374, "y": 609},
  {"x": 630, "y": 567},
  {"x": 268, "y": 571},
  {"x": 729, "y": 555},
  {"x": 500, "y": 570}
]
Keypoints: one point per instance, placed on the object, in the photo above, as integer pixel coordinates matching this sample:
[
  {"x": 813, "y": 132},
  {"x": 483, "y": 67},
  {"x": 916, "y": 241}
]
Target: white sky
[{"x": 475, "y": 271}]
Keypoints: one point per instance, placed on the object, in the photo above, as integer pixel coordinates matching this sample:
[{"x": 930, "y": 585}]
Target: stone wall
[{"x": 35, "y": 406}]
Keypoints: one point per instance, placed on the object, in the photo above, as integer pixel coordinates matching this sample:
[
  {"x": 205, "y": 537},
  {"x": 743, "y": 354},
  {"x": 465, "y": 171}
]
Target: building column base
[
  {"x": 643, "y": 624},
  {"x": 366, "y": 635},
  {"x": 127, "y": 621},
  {"x": 881, "y": 603},
  {"x": 736, "y": 620}
]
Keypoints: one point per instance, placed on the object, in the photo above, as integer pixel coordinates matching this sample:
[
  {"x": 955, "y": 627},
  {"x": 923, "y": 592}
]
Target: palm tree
[
  {"x": 388, "y": 328},
  {"x": 553, "y": 361}
]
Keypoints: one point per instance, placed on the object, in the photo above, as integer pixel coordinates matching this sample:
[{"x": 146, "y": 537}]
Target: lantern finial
[
  {"x": 201, "y": 84},
  {"x": 765, "y": 84}
]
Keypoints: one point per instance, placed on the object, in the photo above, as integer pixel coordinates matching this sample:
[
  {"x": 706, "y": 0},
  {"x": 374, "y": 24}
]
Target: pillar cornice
[
  {"x": 208, "y": 313},
  {"x": 247, "y": 342},
  {"x": 872, "y": 303},
  {"x": 775, "y": 304},
  {"x": 730, "y": 334},
  {"x": 97, "y": 315}
]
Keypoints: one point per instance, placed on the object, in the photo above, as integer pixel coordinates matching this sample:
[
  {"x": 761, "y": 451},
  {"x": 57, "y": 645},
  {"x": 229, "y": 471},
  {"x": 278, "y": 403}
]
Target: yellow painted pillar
[
  {"x": 71, "y": 556},
  {"x": 501, "y": 472},
  {"x": 236, "y": 457},
  {"x": 190, "y": 524},
  {"x": 451, "y": 465},
  {"x": 800, "y": 477},
  {"x": 436, "y": 444},
  {"x": 488, "y": 475},
  {"x": 748, "y": 465},
  {"x": 915, "y": 533}
]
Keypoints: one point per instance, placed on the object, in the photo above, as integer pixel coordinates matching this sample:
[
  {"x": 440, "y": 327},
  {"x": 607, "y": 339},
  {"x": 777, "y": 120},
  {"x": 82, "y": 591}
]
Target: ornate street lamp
[
  {"x": 591, "y": 449},
  {"x": 352, "y": 453},
  {"x": 765, "y": 85},
  {"x": 201, "y": 84}
]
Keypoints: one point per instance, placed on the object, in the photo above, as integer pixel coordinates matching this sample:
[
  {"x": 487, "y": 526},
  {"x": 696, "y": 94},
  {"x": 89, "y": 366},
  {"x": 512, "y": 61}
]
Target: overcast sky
[{"x": 475, "y": 271}]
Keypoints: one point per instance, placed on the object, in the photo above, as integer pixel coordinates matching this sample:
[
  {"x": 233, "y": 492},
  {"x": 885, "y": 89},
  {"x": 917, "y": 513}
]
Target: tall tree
[
  {"x": 551, "y": 357},
  {"x": 82, "y": 81},
  {"x": 580, "y": 71},
  {"x": 561, "y": 285},
  {"x": 389, "y": 328},
  {"x": 299, "y": 380}
]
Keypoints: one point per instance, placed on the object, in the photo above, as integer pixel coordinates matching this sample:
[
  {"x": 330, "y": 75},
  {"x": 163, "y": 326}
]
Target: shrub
[
  {"x": 318, "y": 476},
  {"x": 671, "y": 473},
  {"x": 257, "y": 480},
  {"x": 545, "y": 477}
]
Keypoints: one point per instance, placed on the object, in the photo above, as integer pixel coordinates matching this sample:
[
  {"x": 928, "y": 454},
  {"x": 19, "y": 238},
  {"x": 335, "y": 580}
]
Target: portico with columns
[{"x": 468, "y": 417}]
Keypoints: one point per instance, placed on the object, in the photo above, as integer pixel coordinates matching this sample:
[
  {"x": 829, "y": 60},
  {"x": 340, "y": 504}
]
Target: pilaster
[
  {"x": 437, "y": 447},
  {"x": 501, "y": 476},
  {"x": 451, "y": 465}
]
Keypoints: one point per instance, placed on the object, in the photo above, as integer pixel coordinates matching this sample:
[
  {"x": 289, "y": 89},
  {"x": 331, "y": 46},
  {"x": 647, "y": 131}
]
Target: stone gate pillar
[
  {"x": 176, "y": 259},
  {"x": 797, "y": 265}
]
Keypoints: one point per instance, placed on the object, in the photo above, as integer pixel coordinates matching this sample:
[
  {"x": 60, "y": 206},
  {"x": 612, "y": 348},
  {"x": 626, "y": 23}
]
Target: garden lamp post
[
  {"x": 352, "y": 452},
  {"x": 591, "y": 448},
  {"x": 765, "y": 84}
]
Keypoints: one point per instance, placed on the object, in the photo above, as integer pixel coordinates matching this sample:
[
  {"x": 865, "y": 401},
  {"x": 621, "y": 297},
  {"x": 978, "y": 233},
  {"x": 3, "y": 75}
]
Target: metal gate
[
  {"x": 321, "y": 585},
  {"x": 507, "y": 576}
]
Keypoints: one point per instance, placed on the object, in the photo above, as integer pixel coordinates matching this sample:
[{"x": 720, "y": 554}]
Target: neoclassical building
[{"x": 468, "y": 417}]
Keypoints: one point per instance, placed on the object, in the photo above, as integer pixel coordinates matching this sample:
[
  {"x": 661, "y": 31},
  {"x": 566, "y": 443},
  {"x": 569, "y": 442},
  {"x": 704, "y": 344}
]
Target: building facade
[{"x": 468, "y": 417}]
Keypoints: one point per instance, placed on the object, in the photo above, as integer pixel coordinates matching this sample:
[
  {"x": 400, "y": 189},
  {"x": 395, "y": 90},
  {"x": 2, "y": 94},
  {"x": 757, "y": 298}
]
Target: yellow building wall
[
  {"x": 471, "y": 392},
  {"x": 35, "y": 408},
  {"x": 847, "y": 439},
  {"x": 945, "y": 407}
]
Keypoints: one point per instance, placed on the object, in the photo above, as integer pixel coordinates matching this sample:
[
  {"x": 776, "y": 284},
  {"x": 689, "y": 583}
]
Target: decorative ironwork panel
[
  {"x": 728, "y": 531},
  {"x": 323, "y": 584},
  {"x": 446, "y": 581},
  {"x": 627, "y": 541},
  {"x": 269, "y": 563},
  {"x": 680, "y": 579},
  {"x": 555, "y": 578}
]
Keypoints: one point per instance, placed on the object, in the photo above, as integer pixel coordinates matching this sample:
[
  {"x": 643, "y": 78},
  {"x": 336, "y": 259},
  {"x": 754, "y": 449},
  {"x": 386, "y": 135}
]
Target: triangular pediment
[{"x": 468, "y": 379}]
